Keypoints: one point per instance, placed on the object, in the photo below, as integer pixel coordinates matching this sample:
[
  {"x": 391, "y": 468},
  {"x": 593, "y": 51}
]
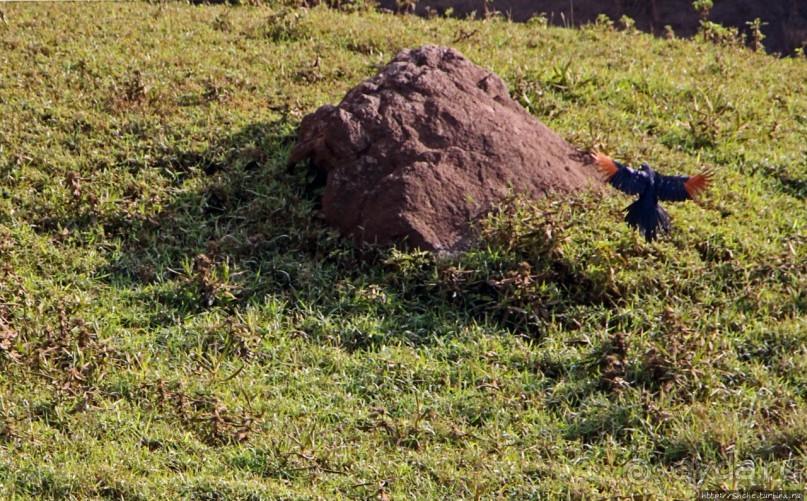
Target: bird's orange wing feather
[
  {"x": 697, "y": 183},
  {"x": 605, "y": 165}
]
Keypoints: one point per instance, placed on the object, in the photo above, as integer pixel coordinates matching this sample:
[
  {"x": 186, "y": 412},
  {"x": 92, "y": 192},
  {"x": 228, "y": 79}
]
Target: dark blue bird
[{"x": 645, "y": 213}]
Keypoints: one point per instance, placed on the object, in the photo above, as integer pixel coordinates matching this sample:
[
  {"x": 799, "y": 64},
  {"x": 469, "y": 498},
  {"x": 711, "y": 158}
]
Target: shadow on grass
[{"x": 240, "y": 226}]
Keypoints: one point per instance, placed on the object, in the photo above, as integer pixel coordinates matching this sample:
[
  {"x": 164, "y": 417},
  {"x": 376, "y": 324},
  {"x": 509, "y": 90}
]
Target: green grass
[{"x": 176, "y": 321}]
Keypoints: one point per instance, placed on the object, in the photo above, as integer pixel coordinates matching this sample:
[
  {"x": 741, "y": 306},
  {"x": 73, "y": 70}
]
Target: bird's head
[{"x": 645, "y": 168}]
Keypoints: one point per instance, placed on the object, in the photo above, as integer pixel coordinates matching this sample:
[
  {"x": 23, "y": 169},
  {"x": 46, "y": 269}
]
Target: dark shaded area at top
[{"x": 786, "y": 28}]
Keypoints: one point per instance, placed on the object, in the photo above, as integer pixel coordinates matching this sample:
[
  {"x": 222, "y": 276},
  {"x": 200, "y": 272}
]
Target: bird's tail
[{"x": 650, "y": 220}]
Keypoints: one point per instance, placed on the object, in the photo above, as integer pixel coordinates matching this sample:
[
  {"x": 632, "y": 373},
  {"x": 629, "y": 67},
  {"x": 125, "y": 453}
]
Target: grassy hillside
[{"x": 176, "y": 321}]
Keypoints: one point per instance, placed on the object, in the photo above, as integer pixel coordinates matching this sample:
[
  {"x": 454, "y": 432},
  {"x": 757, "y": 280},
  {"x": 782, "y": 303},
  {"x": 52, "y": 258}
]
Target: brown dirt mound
[{"x": 426, "y": 146}]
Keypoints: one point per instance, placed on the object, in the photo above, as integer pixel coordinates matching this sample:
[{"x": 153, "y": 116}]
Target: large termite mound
[{"x": 425, "y": 147}]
